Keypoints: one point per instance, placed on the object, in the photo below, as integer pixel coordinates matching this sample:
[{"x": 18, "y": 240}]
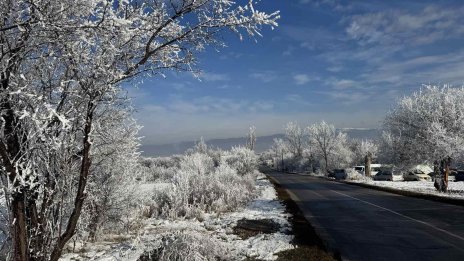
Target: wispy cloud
[
  {"x": 407, "y": 28},
  {"x": 301, "y": 79},
  {"x": 341, "y": 83}
]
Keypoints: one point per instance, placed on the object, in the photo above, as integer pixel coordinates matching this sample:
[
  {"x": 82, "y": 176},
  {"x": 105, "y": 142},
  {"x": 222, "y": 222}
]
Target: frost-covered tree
[
  {"x": 427, "y": 127},
  {"x": 114, "y": 171},
  {"x": 295, "y": 138},
  {"x": 201, "y": 146},
  {"x": 331, "y": 146},
  {"x": 364, "y": 151},
  {"x": 280, "y": 148},
  {"x": 61, "y": 66},
  {"x": 361, "y": 148},
  {"x": 251, "y": 138}
]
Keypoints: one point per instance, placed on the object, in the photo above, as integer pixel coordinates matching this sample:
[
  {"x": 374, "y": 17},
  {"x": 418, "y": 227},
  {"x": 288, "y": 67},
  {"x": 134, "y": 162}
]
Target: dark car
[
  {"x": 331, "y": 174},
  {"x": 340, "y": 174},
  {"x": 459, "y": 175}
]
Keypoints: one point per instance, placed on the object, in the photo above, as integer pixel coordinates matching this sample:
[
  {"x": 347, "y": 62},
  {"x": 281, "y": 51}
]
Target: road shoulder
[{"x": 311, "y": 243}]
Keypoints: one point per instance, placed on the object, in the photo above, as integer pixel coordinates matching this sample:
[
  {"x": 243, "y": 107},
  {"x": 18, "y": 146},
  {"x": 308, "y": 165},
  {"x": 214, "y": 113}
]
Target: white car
[
  {"x": 375, "y": 168},
  {"x": 416, "y": 176},
  {"x": 388, "y": 175}
]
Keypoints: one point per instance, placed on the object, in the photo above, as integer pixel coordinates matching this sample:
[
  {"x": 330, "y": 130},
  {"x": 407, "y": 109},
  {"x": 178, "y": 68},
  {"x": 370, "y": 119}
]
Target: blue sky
[{"x": 345, "y": 62}]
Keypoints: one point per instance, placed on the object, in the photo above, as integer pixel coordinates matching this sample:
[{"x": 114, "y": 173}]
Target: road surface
[{"x": 365, "y": 224}]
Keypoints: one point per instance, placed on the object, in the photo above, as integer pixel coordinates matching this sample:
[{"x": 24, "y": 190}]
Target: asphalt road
[{"x": 365, "y": 224}]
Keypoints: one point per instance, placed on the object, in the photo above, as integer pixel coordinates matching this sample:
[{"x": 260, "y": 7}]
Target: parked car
[
  {"x": 339, "y": 174},
  {"x": 359, "y": 169},
  {"x": 459, "y": 175},
  {"x": 388, "y": 175},
  {"x": 374, "y": 169},
  {"x": 418, "y": 173},
  {"x": 331, "y": 174}
]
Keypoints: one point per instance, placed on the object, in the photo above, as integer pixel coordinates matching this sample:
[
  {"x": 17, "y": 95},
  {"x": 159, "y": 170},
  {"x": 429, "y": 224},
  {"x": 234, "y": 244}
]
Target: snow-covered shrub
[
  {"x": 160, "y": 168},
  {"x": 296, "y": 164},
  {"x": 166, "y": 162},
  {"x": 354, "y": 175},
  {"x": 187, "y": 246},
  {"x": 157, "y": 173},
  {"x": 242, "y": 159},
  {"x": 197, "y": 163},
  {"x": 199, "y": 187}
]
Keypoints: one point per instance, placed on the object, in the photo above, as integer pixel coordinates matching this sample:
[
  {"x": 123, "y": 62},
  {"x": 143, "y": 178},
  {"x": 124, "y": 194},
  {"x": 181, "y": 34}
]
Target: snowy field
[
  {"x": 214, "y": 232},
  {"x": 455, "y": 189}
]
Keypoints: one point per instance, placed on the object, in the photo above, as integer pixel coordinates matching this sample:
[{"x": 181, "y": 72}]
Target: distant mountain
[{"x": 262, "y": 143}]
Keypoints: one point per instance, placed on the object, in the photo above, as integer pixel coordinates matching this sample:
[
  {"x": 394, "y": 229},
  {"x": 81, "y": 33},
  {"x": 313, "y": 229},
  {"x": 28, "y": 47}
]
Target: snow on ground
[
  {"x": 214, "y": 228},
  {"x": 455, "y": 189}
]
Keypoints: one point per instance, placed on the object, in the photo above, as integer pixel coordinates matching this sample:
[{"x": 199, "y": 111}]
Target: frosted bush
[
  {"x": 242, "y": 159},
  {"x": 187, "y": 246},
  {"x": 159, "y": 169},
  {"x": 296, "y": 164},
  {"x": 354, "y": 175},
  {"x": 197, "y": 163},
  {"x": 157, "y": 173},
  {"x": 166, "y": 162},
  {"x": 199, "y": 187}
]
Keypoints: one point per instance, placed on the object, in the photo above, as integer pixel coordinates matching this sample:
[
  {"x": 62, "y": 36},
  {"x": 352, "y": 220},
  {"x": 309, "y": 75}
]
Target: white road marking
[{"x": 404, "y": 216}]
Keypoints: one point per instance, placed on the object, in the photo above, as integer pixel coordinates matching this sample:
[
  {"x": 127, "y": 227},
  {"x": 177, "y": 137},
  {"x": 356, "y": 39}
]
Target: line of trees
[
  {"x": 426, "y": 127},
  {"x": 318, "y": 146},
  {"x": 64, "y": 119}
]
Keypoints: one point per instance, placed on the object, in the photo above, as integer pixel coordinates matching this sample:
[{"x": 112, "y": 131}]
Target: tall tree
[
  {"x": 251, "y": 138},
  {"x": 364, "y": 152},
  {"x": 295, "y": 137},
  {"x": 330, "y": 145},
  {"x": 427, "y": 127},
  {"x": 61, "y": 66}
]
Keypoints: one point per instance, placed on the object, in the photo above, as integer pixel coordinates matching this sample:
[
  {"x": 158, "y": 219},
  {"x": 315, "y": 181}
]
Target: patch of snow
[
  {"x": 455, "y": 189},
  {"x": 217, "y": 227}
]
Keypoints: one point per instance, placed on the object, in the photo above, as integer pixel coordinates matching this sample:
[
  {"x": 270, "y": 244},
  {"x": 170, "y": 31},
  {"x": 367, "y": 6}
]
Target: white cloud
[
  {"x": 301, "y": 79},
  {"x": 211, "y": 105},
  {"x": 341, "y": 83},
  {"x": 408, "y": 28}
]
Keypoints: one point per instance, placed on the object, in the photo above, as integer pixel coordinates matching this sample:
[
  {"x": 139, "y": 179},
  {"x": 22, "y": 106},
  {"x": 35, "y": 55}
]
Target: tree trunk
[
  {"x": 367, "y": 164},
  {"x": 326, "y": 163},
  {"x": 447, "y": 163},
  {"x": 9, "y": 151},
  {"x": 80, "y": 196},
  {"x": 19, "y": 228},
  {"x": 282, "y": 154}
]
